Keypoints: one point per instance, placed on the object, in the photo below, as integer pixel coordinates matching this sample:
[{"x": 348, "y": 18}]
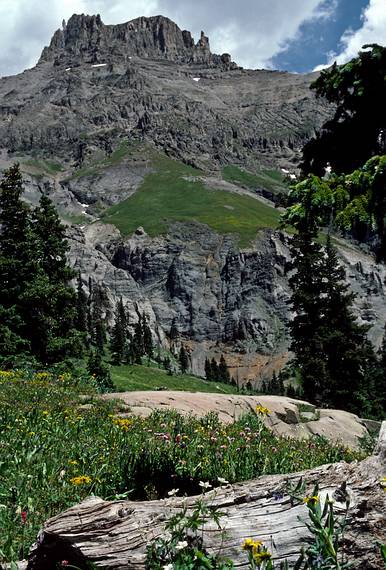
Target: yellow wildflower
[
  {"x": 251, "y": 545},
  {"x": 123, "y": 423},
  {"x": 45, "y": 412},
  {"x": 262, "y": 410},
  {"x": 81, "y": 480},
  {"x": 73, "y": 462},
  {"x": 311, "y": 500}
]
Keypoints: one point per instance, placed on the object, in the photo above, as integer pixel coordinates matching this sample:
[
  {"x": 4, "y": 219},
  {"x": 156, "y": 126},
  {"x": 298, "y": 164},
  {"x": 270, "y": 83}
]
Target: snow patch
[
  {"x": 84, "y": 205},
  {"x": 68, "y": 69},
  {"x": 285, "y": 170},
  {"x": 292, "y": 176},
  {"x": 99, "y": 64},
  {"x": 196, "y": 78}
]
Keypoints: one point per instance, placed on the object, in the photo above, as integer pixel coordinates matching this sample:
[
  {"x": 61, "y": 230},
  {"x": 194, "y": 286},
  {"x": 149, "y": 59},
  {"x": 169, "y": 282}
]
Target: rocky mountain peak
[{"x": 87, "y": 39}]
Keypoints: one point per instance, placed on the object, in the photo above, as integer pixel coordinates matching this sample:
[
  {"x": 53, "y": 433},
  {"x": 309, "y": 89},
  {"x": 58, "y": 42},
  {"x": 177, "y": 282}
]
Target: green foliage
[
  {"x": 37, "y": 304},
  {"x": 272, "y": 180},
  {"x": 183, "y": 548},
  {"x": 56, "y": 451},
  {"x": 99, "y": 370},
  {"x": 175, "y": 193},
  {"x": 119, "y": 335},
  {"x": 183, "y": 359},
  {"x": 356, "y": 132},
  {"x": 335, "y": 360},
  {"x": 327, "y": 533},
  {"x": 136, "y": 377},
  {"x": 352, "y": 202}
]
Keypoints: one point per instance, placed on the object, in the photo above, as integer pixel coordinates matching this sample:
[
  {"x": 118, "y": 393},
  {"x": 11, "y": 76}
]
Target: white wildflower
[
  {"x": 222, "y": 481},
  {"x": 181, "y": 545},
  {"x": 173, "y": 492},
  {"x": 205, "y": 485}
]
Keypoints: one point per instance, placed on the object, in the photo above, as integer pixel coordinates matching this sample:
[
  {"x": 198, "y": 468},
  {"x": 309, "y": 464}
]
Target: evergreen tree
[
  {"x": 147, "y": 338},
  {"x": 349, "y": 355},
  {"x": 224, "y": 375},
  {"x": 16, "y": 262},
  {"x": 208, "y": 370},
  {"x": 183, "y": 359},
  {"x": 173, "y": 334},
  {"x": 214, "y": 370},
  {"x": 307, "y": 304},
  {"x": 274, "y": 385},
  {"x": 81, "y": 319},
  {"x": 98, "y": 329},
  {"x": 118, "y": 340},
  {"x": 37, "y": 303},
  {"x": 138, "y": 347},
  {"x": 100, "y": 371}
]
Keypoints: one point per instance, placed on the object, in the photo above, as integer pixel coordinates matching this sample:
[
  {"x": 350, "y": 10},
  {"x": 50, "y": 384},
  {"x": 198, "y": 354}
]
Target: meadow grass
[
  {"x": 174, "y": 193},
  {"x": 135, "y": 377},
  {"x": 57, "y": 448},
  {"x": 272, "y": 180}
]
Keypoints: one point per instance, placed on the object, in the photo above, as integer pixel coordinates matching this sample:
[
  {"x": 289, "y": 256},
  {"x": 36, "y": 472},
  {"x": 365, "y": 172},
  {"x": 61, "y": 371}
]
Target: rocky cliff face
[
  {"x": 218, "y": 298},
  {"x": 88, "y": 39},
  {"x": 148, "y": 79}
]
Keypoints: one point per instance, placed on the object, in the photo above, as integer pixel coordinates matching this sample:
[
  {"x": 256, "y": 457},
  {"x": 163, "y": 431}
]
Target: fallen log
[{"x": 114, "y": 534}]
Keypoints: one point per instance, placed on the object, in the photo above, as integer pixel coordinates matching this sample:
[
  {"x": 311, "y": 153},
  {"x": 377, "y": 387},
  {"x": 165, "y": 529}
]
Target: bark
[{"x": 114, "y": 534}]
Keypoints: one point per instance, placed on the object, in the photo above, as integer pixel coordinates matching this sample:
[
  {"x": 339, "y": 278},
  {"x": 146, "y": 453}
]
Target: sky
[{"x": 293, "y": 35}]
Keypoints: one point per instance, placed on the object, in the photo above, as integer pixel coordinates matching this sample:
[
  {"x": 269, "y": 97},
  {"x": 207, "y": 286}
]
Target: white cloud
[
  {"x": 253, "y": 31},
  {"x": 373, "y": 30}
]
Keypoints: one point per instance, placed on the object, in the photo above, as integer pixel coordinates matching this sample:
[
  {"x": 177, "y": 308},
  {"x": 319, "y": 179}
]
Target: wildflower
[
  {"x": 181, "y": 545},
  {"x": 222, "y": 481},
  {"x": 64, "y": 563},
  {"x": 45, "y": 412},
  {"x": 73, "y": 462},
  {"x": 62, "y": 473},
  {"x": 173, "y": 492},
  {"x": 205, "y": 485},
  {"x": 23, "y": 516},
  {"x": 311, "y": 501},
  {"x": 262, "y": 410},
  {"x": 123, "y": 423},
  {"x": 81, "y": 480},
  {"x": 250, "y": 544},
  {"x": 168, "y": 567}
]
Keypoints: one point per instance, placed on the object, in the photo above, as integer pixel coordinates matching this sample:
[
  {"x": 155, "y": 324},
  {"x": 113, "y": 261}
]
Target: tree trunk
[{"x": 114, "y": 534}]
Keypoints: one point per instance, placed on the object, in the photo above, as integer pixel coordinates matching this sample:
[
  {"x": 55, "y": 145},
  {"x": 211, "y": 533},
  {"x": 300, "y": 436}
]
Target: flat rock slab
[{"x": 287, "y": 416}]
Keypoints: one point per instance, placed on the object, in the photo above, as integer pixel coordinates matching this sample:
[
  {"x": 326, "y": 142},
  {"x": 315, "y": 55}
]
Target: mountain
[
  {"x": 168, "y": 162},
  {"x": 95, "y": 84}
]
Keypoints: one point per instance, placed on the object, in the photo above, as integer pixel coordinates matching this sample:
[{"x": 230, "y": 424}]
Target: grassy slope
[
  {"x": 129, "y": 378},
  {"x": 272, "y": 180},
  {"x": 174, "y": 193}
]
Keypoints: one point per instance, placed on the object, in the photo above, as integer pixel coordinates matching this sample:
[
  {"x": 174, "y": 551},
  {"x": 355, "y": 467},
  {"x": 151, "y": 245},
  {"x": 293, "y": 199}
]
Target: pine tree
[
  {"x": 118, "y": 340},
  {"x": 16, "y": 264},
  {"x": 208, "y": 370},
  {"x": 81, "y": 307},
  {"x": 349, "y": 355},
  {"x": 37, "y": 303},
  {"x": 223, "y": 371},
  {"x": 100, "y": 371},
  {"x": 147, "y": 338},
  {"x": 137, "y": 343},
  {"x": 98, "y": 329},
  {"x": 214, "y": 370},
  {"x": 307, "y": 303},
  {"x": 183, "y": 359}
]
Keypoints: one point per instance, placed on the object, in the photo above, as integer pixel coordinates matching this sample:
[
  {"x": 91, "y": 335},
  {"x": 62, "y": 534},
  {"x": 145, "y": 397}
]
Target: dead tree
[{"x": 114, "y": 534}]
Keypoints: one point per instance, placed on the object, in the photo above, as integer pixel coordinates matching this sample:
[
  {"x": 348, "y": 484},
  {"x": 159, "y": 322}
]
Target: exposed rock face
[
  {"x": 217, "y": 297},
  {"x": 88, "y": 39},
  {"x": 148, "y": 79},
  {"x": 287, "y": 417}
]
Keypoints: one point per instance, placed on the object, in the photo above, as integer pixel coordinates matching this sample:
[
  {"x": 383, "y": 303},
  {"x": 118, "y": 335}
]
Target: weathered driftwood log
[{"x": 115, "y": 534}]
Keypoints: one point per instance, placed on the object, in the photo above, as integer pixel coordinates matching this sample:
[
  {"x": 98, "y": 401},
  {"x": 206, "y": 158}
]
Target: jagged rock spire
[{"x": 87, "y": 38}]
